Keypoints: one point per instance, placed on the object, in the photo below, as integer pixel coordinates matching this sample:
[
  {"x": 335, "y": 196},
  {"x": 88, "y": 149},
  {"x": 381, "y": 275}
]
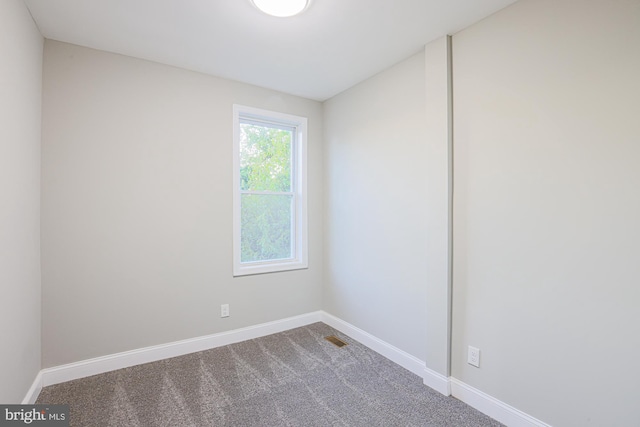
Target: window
[{"x": 269, "y": 193}]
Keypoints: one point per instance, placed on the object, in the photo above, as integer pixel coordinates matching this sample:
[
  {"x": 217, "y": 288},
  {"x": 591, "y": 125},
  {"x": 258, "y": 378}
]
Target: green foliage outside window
[{"x": 265, "y": 167}]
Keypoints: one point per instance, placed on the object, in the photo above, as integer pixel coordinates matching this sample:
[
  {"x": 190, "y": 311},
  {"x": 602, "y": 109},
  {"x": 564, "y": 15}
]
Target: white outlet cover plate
[{"x": 473, "y": 358}]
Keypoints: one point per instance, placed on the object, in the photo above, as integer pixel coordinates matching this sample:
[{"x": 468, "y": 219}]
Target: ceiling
[{"x": 330, "y": 47}]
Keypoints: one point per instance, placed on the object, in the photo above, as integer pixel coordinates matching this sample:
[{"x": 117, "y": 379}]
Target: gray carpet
[{"x": 294, "y": 378}]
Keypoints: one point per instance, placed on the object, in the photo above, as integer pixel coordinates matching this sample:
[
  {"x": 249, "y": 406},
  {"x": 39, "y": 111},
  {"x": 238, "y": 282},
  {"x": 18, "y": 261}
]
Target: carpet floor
[{"x": 293, "y": 378}]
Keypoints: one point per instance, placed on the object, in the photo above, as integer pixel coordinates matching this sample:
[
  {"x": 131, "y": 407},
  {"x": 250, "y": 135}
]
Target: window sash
[
  {"x": 288, "y": 202},
  {"x": 292, "y": 149}
]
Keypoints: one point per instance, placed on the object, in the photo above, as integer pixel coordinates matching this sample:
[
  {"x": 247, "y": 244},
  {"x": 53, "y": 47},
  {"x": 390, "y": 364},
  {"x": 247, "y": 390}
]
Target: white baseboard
[
  {"x": 392, "y": 353},
  {"x": 475, "y": 398},
  {"x": 430, "y": 378},
  {"x": 486, "y": 404},
  {"x": 127, "y": 359},
  {"x": 493, "y": 407},
  {"x": 34, "y": 391},
  {"x": 436, "y": 381}
]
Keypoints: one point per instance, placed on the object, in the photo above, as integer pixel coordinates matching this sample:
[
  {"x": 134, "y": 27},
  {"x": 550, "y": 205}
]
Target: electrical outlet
[
  {"x": 224, "y": 310},
  {"x": 473, "y": 358}
]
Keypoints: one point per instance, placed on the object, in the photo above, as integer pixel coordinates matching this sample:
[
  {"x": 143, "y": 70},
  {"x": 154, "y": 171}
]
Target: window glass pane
[
  {"x": 265, "y": 158},
  {"x": 265, "y": 227}
]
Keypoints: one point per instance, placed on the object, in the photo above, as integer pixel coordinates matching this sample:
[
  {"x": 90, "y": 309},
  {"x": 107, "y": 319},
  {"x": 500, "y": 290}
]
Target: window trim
[{"x": 299, "y": 173}]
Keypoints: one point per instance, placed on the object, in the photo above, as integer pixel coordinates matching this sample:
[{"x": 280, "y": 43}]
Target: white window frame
[{"x": 299, "y": 184}]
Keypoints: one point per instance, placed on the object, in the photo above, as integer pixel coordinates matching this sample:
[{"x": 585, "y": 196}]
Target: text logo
[{"x": 34, "y": 415}]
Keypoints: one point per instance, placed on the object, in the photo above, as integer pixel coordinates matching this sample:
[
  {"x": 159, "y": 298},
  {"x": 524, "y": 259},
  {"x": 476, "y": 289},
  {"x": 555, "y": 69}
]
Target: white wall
[
  {"x": 20, "y": 124},
  {"x": 547, "y": 209},
  {"x": 137, "y": 207},
  {"x": 375, "y": 206}
]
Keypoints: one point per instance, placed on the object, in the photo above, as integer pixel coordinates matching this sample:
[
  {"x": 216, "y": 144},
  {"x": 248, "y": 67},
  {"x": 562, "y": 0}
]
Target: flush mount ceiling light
[{"x": 281, "y": 8}]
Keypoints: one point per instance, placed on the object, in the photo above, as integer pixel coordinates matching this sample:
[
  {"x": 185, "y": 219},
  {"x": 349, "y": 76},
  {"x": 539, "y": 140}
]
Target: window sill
[{"x": 270, "y": 267}]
